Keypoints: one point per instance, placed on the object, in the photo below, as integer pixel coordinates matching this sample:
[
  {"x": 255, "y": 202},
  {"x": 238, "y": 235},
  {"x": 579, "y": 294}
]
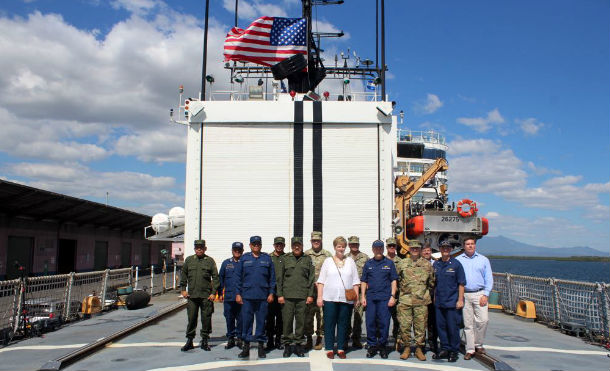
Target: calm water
[{"x": 569, "y": 270}]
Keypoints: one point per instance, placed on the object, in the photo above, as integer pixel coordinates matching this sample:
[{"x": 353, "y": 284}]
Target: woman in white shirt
[{"x": 337, "y": 274}]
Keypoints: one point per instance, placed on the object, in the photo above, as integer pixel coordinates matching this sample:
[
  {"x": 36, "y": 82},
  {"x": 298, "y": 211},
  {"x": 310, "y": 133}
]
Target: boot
[
  {"x": 270, "y": 343},
  {"x": 356, "y": 343},
  {"x": 420, "y": 354},
  {"x": 443, "y": 354},
  {"x": 204, "y": 345},
  {"x": 370, "y": 353},
  {"x": 298, "y": 350},
  {"x": 245, "y": 350},
  {"x": 309, "y": 343},
  {"x": 383, "y": 352},
  {"x": 318, "y": 345},
  {"x": 453, "y": 357},
  {"x": 239, "y": 343},
  {"x": 278, "y": 343},
  {"x": 188, "y": 346},
  {"x": 261, "y": 350},
  {"x": 406, "y": 353},
  {"x": 287, "y": 351},
  {"x": 230, "y": 343}
]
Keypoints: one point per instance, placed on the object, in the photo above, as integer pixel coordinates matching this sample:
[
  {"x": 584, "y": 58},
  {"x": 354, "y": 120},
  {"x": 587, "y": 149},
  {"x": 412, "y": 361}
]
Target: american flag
[{"x": 267, "y": 41}]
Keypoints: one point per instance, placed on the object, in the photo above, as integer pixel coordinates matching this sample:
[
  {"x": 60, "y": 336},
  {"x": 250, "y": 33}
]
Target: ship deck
[{"x": 520, "y": 345}]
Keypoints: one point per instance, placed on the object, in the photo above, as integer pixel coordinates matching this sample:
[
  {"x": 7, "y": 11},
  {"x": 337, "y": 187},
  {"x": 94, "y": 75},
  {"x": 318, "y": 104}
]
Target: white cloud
[
  {"x": 164, "y": 145},
  {"x": 470, "y": 146},
  {"x": 482, "y": 124},
  {"x": 539, "y": 170},
  {"x": 250, "y": 10},
  {"x": 530, "y": 126},
  {"x": 433, "y": 103}
]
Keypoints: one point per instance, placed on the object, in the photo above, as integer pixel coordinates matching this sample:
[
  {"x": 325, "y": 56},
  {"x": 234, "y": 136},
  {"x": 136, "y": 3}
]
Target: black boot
[
  {"x": 245, "y": 350},
  {"x": 287, "y": 351},
  {"x": 383, "y": 352},
  {"x": 453, "y": 357},
  {"x": 442, "y": 355},
  {"x": 239, "y": 343},
  {"x": 278, "y": 343},
  {"x": 204, "y": 345},
  {"x": 370, "y": 353},
  {"x": 309, "y": 343},
  {"x": 261, "y": 350},
  {"x": 188, "y": 345},
  {"x": 230, "y": 343},
  {"x": 299, "y": 351},
  {"x": 270, "y": 343}
]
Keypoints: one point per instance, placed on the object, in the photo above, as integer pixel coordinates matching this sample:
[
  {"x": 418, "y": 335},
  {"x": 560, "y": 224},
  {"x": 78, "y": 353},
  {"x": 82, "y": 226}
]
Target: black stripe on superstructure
[
  {"x": 317, "y": 166},
  {"x": 298, "y": 169}
]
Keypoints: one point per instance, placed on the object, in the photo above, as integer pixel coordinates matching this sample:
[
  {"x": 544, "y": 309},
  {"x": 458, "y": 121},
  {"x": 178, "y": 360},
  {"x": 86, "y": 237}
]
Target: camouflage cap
[
  {"x": 316, "y": 236},
  {"x": 199, "y": 243},
  {"x": 414, "y": 243},
  {"x": 353, "y": 239},
  {"x": 298, "y": 240},
  {"x": 390, "y": 241},
  {"x": 279, "y": 240}
]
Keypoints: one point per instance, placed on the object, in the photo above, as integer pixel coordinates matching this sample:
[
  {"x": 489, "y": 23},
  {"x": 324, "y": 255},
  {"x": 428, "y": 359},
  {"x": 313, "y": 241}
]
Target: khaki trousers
[{"x": 475, "y": 320}]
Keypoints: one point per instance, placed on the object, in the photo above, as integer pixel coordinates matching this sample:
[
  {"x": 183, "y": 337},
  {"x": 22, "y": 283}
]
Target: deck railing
[
  {"x": 574, "y": 306},
  {"x": 64, "y": 293}
]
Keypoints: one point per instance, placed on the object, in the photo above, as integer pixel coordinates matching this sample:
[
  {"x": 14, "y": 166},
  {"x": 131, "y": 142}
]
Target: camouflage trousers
[
  {"x": 416, "y": 317},
  {"x": 314, "y": 312}
]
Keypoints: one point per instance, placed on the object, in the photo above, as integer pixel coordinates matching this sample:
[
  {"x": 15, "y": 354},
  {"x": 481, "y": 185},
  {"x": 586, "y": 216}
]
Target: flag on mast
[{"x": 267, "y": 41}]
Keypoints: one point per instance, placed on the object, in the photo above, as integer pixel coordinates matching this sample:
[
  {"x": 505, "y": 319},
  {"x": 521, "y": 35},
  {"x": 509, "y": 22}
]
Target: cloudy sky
[{"x": 521, "y": 90}]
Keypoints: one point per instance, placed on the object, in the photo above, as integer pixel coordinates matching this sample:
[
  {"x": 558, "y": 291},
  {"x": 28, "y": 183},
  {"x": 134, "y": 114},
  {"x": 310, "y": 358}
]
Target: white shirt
[{"x": 333, "y": 286}]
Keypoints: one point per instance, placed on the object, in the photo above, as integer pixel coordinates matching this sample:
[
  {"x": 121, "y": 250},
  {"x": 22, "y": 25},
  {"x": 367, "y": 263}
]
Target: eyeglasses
[{"x": 256, "y": 244}]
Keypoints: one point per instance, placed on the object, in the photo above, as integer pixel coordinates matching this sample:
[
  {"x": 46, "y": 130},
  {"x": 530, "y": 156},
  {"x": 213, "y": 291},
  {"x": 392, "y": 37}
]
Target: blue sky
[{"x": 521, "y": 90}]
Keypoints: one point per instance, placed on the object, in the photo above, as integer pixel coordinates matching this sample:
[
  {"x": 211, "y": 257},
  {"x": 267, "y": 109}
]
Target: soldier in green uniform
[
  {"x": 393, "y": 256},
  {"x": 273, "y": 324},
  {"x": 317, "y": 255},
  {"x": 416, "y": 278},
  {"x": 295, "y": 290},
  {"x": 355, "y": 331},
  {"x": 199, "y": 273}
]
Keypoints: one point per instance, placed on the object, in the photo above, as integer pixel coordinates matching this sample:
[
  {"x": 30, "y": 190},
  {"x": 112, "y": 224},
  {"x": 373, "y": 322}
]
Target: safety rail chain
[
  {"x": 575, "y": 306},
  {"x": 60, "y": 296}
]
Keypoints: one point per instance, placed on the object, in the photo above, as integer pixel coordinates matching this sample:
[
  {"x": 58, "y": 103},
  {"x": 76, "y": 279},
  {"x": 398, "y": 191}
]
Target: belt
[{"x": 471, "y": 291}]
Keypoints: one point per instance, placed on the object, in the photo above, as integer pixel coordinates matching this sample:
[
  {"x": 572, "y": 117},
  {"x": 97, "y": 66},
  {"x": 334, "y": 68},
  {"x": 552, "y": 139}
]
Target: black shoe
[
  {"x": 269, "y": 346},
  {"x": 453, "y": 357},
  {"x": 444, "y": 354},
  {"x": 204, "y": 345},
  {"x": 230, "y": 343},
  {"x": 356, "y": 344},
  {"x": 309, "y": 343},
  {"x": 245, "y": 350},
  {"x": 188, "y": 346},
  {"x": 278, "y": 343},
  {"x": 239, "y": 343},
  {"x": 370, "y": 353},
  {"x": 287, "y": 351},
  {"x": 383, "y": 352},
  {"x": 261, "y": 350},
  {"x": 298, "y": 350}
]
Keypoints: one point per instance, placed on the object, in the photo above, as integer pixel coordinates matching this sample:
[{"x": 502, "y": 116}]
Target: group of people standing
[{"x": 285, "y": 294}]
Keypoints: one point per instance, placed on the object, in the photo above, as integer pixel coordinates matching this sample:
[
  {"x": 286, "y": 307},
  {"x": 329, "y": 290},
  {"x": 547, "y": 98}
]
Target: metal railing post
[
  {"x": 131, "y": 276},
  {"x": 152, "y": 278},
  {"x": 174, "y": 286},
  {"x": 603, "y": 303},
  {"x": 68, "y": 295},
  {"x": 17, "y": 305},
  {"x": 509, "y": 285},
  {"x": 137, "y": 271},
  {"x": 556, "y": 308},
  {"x": 104, "y": 284}
]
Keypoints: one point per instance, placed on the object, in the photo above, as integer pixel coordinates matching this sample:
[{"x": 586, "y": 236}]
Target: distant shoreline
[{"x": 567, "y": 258}]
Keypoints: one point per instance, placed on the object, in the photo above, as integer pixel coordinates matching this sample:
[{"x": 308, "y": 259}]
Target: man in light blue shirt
[{"x": 479, "y": 282}]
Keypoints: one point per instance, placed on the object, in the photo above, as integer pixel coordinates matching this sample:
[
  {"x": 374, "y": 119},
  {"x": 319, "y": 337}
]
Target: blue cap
[
  {"x": 254, "y": 239},
  {"x": 237, "y": 246},
  {"x": 378, "y": 243}
]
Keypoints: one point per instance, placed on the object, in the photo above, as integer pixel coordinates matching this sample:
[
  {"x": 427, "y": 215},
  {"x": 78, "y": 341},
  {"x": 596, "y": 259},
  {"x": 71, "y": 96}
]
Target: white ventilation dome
[
  {"x": 160, "y": 222},
  {"x": 176, "y": 216}
]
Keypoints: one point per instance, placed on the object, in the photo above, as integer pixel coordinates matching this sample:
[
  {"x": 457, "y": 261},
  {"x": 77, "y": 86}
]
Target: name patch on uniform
[
  {"x": 450, "y": 270},
  {"x": 385, "y": 267}
]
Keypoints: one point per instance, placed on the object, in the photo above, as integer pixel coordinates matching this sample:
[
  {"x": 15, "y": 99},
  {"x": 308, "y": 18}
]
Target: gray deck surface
[{"x": 522, "y": 345}]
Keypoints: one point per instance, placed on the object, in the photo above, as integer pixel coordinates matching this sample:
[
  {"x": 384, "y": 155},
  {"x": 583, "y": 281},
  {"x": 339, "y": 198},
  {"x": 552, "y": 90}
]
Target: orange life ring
[{"x": 466, "y": 214}]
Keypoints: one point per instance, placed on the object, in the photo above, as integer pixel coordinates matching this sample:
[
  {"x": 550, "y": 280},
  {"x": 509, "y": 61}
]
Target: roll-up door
[{"x": 247, "y": 185}]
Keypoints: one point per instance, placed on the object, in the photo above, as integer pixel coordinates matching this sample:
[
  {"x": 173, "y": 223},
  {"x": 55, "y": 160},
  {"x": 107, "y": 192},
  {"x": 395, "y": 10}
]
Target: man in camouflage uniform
[
  {"x": 360, "y": 259},
  {"x": 416, "y": 278},
  {"x": 273, "y": 325},
  {"x": 317, "y": 255},
  {"x": 295, "y": 288},
  {"x": 199, "y": 273},
  {"x": 393, "y": 256}
]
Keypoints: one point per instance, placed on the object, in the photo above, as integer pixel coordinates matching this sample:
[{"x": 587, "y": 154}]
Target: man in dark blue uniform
[
  {"x": 255, "y": 289},
  {"x": 228, "y": 284},
  {"x": 378, "y": 286},
  {"x": 448, "y": 300}
]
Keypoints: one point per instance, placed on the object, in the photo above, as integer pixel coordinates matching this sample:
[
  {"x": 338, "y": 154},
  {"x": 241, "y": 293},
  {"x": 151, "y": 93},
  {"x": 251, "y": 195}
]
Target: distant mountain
[{"x": 505, "y": 246}]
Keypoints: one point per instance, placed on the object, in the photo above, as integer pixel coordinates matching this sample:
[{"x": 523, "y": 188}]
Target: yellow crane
[{"x": 406, "y": 189}]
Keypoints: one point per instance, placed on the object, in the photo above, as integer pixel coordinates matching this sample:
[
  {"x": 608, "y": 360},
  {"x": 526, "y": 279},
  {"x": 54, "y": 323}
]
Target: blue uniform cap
[
  {"x": 255, "y": 239},
  {"x": 237, "y": 246},
  {"x": 378, "y": 243}
]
